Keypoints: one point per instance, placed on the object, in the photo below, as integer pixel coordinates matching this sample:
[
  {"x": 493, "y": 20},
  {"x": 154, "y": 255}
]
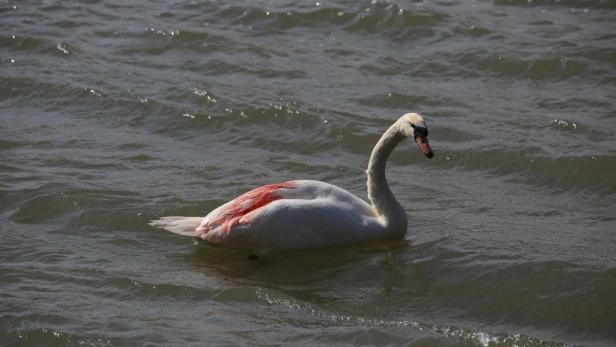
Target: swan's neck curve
[{"x": 387, "y": 207}]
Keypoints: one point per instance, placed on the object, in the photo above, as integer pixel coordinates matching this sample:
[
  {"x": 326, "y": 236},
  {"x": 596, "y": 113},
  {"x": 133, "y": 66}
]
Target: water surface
[{"x": 113, "y": 113}]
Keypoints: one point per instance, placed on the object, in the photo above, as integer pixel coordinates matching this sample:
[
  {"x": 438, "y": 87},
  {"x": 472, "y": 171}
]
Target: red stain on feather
[{"x": 242, "y": 209}]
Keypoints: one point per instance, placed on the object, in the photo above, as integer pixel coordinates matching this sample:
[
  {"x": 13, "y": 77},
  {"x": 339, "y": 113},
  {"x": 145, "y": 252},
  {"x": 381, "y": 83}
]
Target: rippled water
[{"x": 113, "y": 113}]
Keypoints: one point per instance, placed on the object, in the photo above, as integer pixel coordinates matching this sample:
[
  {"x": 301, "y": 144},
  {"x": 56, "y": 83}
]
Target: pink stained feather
[{"x": 244, "y": 208}]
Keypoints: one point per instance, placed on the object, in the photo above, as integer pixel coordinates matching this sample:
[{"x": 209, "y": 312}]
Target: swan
[{"x": 310, "y": 214}]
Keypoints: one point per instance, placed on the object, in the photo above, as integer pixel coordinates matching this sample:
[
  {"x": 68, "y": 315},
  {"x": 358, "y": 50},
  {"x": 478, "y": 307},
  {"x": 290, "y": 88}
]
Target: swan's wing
[
  {"x": 299, "y": 223},
  {"x": 292, "y": 214},
  {"x": 219, "y": 222}
]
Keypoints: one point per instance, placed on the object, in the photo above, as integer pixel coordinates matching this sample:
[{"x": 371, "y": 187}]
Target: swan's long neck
[{"x": 387, "y": 207}]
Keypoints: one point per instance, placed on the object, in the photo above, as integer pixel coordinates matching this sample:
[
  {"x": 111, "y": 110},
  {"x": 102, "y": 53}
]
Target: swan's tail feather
[{"x": 178, "y": 225}]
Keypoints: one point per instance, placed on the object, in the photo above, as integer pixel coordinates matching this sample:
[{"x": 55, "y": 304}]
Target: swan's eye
[{"x": 412, "y": 125}]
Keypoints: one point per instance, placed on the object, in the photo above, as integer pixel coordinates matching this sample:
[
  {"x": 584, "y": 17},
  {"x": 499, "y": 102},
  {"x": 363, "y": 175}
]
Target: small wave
[
  {"x": 474, "y": 337},
  {"x": 512, "y": 66},
  {"x": 407, "y": 102},
  {"x": 45, "y": 336},
  {"x": 43, "y": 208},
  {"x": 527, "y": 165},
  {"x": 599, "y": 4},
  {"x": 388, "y": 19},
  {"x": 34, "y": 44}
]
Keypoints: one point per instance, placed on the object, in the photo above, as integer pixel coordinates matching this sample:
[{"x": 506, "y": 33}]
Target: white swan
[{"x": 308, "y": 214}]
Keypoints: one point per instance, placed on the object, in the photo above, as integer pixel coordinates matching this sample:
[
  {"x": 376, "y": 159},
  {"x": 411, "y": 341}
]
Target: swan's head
[{"x": 413, "y": 126}]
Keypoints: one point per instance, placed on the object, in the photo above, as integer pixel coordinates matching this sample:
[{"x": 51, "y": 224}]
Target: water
[{"x": 113, "y": 113}]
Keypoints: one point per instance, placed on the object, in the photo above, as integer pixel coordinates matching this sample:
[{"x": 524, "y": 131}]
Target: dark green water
[{"x": 113, "y": 113}]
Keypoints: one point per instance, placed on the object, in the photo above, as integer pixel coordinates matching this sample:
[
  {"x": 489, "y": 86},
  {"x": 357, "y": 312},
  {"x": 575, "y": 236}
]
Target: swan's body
[{"x": 308, "y": 214}]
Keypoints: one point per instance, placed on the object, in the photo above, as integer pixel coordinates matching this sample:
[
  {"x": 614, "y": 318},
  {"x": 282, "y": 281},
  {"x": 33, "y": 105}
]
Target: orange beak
[{"x": 422, "y": 142}]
